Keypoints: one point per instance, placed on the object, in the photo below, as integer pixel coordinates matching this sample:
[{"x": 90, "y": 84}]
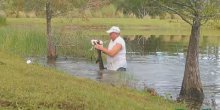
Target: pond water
[{"x": 158, "y": 62}]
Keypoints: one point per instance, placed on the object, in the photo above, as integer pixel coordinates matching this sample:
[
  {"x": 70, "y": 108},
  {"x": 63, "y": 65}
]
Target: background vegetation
[{"x": 74, "y": 24}]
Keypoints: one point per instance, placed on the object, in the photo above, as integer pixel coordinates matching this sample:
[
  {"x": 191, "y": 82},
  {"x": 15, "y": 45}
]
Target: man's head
[{"x": 114, "y": 32}]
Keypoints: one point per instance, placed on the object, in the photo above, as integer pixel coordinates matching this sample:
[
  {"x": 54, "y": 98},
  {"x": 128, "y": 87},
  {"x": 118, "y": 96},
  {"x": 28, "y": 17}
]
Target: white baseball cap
[{"x": 113, "y": 29}]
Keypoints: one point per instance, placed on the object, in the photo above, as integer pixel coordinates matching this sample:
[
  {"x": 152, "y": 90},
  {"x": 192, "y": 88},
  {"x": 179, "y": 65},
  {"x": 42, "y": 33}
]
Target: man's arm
[{"x": 111, "y": 52}]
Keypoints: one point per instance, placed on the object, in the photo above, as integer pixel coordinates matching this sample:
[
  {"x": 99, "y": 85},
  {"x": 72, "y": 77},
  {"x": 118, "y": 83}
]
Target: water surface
[{"x": 158, "y": 62}]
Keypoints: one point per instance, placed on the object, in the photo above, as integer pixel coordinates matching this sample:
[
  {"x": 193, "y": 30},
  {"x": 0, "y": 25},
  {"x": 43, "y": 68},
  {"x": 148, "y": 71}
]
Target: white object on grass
[{"x": 29, "y": 62}]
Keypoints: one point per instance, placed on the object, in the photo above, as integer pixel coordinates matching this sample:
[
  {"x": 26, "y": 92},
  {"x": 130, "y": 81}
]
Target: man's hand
[{"x": 99, "y": 47}]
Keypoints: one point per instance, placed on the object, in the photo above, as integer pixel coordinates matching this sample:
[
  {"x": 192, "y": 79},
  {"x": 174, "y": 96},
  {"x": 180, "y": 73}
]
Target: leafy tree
[
  {"x": 52, "y": 8},
  {"x": 2, "y": 4},
  {"x": 2, "y": 13},
  {"x": 15, "y": 6},
  {"x": 140, "y": 8},
  {"x": 195, "y": 13},
  {"x": 59, "y": 7}
]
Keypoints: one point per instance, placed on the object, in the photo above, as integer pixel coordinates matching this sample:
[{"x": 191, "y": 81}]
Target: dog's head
[{"x": 94, "y": 42}]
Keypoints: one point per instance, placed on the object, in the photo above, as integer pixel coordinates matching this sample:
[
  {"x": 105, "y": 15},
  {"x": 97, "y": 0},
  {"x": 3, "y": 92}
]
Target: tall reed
[
  {"x": 32, "y": 41},
  {"x": 23, "y": 41},
  {"x": 76, "y": 44},
  {"x": 2, "y": 20}
]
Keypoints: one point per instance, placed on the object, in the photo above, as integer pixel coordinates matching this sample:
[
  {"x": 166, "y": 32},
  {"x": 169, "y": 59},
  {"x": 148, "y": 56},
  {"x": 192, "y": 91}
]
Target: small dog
[
  {"x": 99, "y": 57},
  {"x": 95, "y": 42}
]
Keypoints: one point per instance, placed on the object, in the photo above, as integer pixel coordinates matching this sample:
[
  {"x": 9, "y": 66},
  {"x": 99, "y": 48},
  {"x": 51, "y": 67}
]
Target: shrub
[{"x": 2, "y": 18}]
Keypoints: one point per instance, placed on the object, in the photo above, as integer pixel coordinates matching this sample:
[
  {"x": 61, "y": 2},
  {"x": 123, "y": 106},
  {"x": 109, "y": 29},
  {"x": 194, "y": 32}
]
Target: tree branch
[
  {"x": 206, "y": 18},
  {"x": 176, "y": 12},
  {"x": 185, "y": 5}
]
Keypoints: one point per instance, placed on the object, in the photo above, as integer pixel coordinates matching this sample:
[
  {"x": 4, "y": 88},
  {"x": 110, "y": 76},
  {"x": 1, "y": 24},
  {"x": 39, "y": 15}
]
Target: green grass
[
  {"x": 129, "y": 26},
  {"x": 26, "y": 36},
  {"x": 34, "y": 87},
  {"x": 23, "y": 40},
  {"x": 2, "y": 20}
]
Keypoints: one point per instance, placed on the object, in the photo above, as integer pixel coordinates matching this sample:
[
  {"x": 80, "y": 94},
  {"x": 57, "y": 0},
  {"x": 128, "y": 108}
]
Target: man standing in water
[{"x": 116, "y": 51}]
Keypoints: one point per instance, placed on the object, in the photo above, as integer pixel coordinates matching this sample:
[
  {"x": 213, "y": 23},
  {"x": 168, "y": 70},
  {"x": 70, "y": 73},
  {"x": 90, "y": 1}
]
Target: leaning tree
[
  {"x": 195, "y": 13},
  {"x": 52, "y": 8},
  {"x": 55, "y": 8}
]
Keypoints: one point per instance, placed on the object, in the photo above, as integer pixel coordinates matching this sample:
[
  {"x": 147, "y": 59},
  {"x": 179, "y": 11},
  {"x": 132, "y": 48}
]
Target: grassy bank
[{"x": 35, "y": 87}]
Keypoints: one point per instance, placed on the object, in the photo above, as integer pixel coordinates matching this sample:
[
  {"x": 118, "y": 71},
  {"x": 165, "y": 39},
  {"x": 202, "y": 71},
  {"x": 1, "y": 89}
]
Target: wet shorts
[{"x": 121, "y": 69}]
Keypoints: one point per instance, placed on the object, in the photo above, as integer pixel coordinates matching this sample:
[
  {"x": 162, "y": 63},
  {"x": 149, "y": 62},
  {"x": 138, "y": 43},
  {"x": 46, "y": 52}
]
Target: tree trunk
[
  {"x": 191, "y": 89},
  {"x": 17, "y": 13},
  {"x": 51, "y": 47}
]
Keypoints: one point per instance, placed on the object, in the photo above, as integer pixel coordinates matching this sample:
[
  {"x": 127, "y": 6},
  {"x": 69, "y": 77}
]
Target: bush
[
  {"x": 2, "y": 18},
  {"x": 2, "y": 21},
  {"x": 108, "y": 11}
]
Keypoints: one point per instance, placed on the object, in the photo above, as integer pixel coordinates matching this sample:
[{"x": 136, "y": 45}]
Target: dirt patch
[
  {"x": 2, "y": 63},
  {"x": 63, "y": 105},
  {"x": 71, "y": 106},
  {"x": 4, "y": 103}
]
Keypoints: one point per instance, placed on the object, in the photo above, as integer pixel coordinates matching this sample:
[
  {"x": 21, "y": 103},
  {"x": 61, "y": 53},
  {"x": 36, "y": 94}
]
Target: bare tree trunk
[
  {"x": 191, "y": 86},
  {"x": 17, "y": 13},
  {"x": 51, "y": 47}
]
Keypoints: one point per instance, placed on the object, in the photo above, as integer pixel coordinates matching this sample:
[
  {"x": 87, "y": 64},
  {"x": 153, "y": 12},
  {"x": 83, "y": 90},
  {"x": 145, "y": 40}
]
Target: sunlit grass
[
  {"x": 34, "y": 87},
  {"x": 23, "y": 40},
  {"x": 2, "y": 20},
  {"x": 129, "y": 26},
  {"x": 26, "y": 36}
]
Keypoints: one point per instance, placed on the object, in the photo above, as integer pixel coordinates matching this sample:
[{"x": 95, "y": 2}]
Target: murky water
[{"x": 158, "y": 62}]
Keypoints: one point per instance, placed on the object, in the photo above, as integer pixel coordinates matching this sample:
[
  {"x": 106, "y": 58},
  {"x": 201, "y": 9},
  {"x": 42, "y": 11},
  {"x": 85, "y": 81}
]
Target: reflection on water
[
  {"x": 158, "y": 62},
  {"x": 115, "y": 78}
]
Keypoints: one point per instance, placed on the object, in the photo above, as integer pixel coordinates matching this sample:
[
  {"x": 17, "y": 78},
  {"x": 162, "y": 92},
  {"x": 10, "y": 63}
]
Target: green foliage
[
  {"x": 189, "y": 10},
  {"x": 78, "y": 3},
  {"x": 2, "y": 20},
  {"x": 108, "y": 11},
  {"x": 38, "y": 6},
  {"x": 20, "y": 34},
  {"x": 59, "y": 7},
  {"x": 2, "y": 17},
  {"x": 25, "y": 42},
  {"x": 140, "y": 8}
]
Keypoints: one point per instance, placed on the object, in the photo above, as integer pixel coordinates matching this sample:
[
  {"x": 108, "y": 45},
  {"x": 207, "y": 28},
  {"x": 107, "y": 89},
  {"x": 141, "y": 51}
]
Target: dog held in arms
[{"x": 99, "y": 57}]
